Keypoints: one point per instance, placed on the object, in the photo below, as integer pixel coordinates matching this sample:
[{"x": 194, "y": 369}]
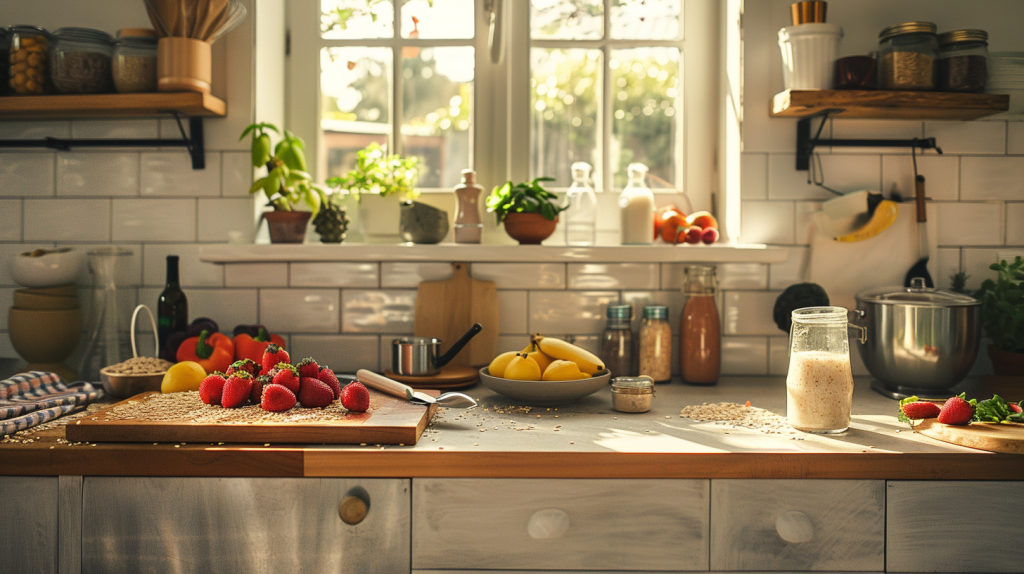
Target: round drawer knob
[
  {"x": 548, "y": 524},
  {"x": 352, "y": 510},
  {"x": 794, "y": 527}
]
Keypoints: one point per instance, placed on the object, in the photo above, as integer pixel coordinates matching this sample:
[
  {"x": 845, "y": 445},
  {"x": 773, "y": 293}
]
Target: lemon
[{"x": 184, "y": 376}]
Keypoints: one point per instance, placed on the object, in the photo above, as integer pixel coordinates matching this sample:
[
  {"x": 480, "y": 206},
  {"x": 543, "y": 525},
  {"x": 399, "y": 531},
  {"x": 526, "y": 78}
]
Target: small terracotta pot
[
  {"x": 529, "y": 228},
  {"x": 1005, "y": 362},
  {"x": 287, "y": 226}
]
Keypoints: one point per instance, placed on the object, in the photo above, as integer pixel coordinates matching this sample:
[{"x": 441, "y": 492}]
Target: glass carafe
[
  {"x": 108, "y": 341},
  {"x": 700, "y": 337},
  {"x": 819, "y": 388},
  {"x": 636, "y": 208},
  {"x": 581, "y": 217}
]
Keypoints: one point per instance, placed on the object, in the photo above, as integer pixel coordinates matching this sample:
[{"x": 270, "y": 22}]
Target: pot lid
[{"x": 917, "y": 295}]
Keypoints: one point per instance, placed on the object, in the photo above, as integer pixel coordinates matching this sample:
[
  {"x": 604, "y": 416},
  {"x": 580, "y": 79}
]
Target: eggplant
[
  {"x": 251, "y": 330},
  {"x": 202, "y": 324}
]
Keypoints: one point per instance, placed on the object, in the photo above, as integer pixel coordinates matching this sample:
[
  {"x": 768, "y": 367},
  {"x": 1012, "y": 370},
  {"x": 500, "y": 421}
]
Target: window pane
[
  {"x": 567, "y": 19},
  {"x": 437, "y": 19},
  {"x": 437, "y": 87},
  {"x": 354, "y": 19},
  {"x": 355, "y": 88},
  {"x": 645, "y": 19},
  {"x": 565, "y": 94},
  {"x": 645, "y": 101}
]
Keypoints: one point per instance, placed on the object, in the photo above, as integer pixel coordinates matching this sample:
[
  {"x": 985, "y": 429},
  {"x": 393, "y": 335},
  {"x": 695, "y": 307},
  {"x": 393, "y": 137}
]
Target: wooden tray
[
  {"x": 451, "y": 377},
  {"x": 1008, "y": 438}
]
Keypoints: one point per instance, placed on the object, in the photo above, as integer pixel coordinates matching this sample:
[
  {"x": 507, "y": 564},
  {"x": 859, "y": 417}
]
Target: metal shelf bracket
[{"x": 805, "y": 143}]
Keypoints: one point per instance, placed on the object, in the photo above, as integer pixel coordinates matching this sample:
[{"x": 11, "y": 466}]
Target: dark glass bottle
[{"x": 172, "y": 307}]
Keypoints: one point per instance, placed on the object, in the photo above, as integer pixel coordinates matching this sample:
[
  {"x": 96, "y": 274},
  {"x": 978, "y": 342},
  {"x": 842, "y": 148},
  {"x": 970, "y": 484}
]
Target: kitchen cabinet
[{"x": 28, "y": 507}]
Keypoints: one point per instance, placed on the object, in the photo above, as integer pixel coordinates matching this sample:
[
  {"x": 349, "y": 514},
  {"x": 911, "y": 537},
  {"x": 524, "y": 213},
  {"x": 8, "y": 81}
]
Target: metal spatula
[{"x": 920, "y": 269}]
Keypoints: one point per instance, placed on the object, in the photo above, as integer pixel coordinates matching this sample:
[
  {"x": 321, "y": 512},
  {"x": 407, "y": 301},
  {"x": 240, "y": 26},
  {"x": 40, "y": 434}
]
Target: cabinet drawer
[
  {"x": 28, "y": 507},
  {"x": 560, "y": 524},
  {"x": 938, "y": 526},
  {"x": 797, "y": 525}
]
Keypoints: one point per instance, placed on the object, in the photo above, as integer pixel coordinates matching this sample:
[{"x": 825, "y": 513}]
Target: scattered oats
[
  {"x": 78, "y": 422},
  {"x": 177, "y": 446},
  {"x": 220, "y": 443},
  {"x": 401, "y": 444},
  {"x": 53, "y": 447},
  {"x": 558, "y": 426},
  {"x": 362, "y": 444},
  {"x": 572, "y": 442},
  {"x": 156, "y": 443},
  {"x": 739, "y": 416},
  {"x": 538, "y": 416},
  {"x": 556, "y": 416},
  {"x": 93, "y": 444},
  {"x": 474, "y": 444},
  {"x": 440, "y": 448},
  {"x": 668, "y": 417},
  {"x": 264, "y": 444}
]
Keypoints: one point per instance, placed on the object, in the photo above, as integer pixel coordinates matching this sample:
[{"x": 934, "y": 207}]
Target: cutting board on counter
[
  {"x": 1006, "y": 438},
  {"x": 447, "y": 309},
  {"x": 390, "y": 420}
]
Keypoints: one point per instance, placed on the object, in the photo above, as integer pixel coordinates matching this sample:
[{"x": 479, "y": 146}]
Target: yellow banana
[
  {"x": 885, "y": 215},
  {"x": 588, "y": 362}
]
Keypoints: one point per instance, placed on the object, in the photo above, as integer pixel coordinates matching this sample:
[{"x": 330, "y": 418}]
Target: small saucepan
[{"x": 421, "y": 356}]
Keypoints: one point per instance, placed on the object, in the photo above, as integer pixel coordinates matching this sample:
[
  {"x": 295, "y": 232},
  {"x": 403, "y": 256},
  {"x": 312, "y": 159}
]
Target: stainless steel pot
[
  {"x": 920, "y": 341},
  {"x": 421, "y": 356}
]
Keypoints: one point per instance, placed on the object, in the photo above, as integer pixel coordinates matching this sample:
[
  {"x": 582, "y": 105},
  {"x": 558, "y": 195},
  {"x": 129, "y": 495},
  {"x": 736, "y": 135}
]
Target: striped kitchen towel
[{"x": 36, "y": 397}]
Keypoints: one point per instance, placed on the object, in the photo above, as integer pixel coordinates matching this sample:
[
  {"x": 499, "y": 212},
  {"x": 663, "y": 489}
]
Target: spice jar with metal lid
[
  {"x": 963, "y": 61},
  {"x": 81, "y": 61},
  {"x": 632, "y": 394},
  {"x": 655, "y": 344},
  {"x": 134, "y": 62},
  {"x": 617, "y": 346},
  {"x": 906, "y": 56},
  {"x": 30, "y": 60}
]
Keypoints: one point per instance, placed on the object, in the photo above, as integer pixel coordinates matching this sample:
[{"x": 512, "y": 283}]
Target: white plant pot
[
  {"x": 809, "y": 52},
  {"x": 379, "y": 218}
]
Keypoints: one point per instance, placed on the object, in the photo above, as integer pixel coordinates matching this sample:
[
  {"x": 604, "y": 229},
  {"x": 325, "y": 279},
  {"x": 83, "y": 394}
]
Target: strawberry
[
  {"x": 327, "y": 375},
  {"x": 211, "y": 389},
  {"x": 921, "y": 410},
  {"x": 315, "y": 393},
  {"x": 257, "y": 388},
  {"x": 287, "y": 376},
  {"x": 308, "y": 368},
  {"x": 1015, "y": 407},
  {"x": 236, "y": 390},
  {"x": 276, "y": 398},
  {"x": 247, "y": 365},
  {"x": 956, "y": 411},
  {"x": 355, "y": 397},
  {"x": 272, "y": 356}
]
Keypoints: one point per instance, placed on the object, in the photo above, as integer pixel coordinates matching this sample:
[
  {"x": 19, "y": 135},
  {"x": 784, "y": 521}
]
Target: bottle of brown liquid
[{"x": 700, "y": 340}]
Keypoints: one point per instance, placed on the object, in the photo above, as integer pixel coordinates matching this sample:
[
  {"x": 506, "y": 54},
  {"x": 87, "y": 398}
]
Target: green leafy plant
[
  {"x": 1002, "y": 306},
  {"x": 379, "y": 173},
  {"x": 526, "y": 197},
  {"x": 287, "y": 182},
  {"x": 958, "y": 282}
]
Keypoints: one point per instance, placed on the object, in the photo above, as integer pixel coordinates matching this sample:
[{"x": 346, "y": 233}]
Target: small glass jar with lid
[
  {"x": 906, "y": 56},
  {"x": 134, "y": 62},
  {"x": 81, "y": 61},
  {"x": 655, "y": 344},
  {"x": 29, "y": 61},
  {"x": 632, "y": 394},
  {"x": 617, "y": 341},
  {"x": 963, "y": 61}
]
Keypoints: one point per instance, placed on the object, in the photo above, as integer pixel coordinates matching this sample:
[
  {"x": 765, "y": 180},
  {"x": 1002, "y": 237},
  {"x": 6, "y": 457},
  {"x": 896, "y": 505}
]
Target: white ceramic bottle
[
  {"x": 468, "y": 228},
  {"x": 581, "y": 217},
  {"x": 636, "y": 208}
]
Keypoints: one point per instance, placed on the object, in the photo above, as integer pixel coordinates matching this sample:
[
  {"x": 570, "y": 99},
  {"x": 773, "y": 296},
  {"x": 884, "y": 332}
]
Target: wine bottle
[{"x": 172, "y": 307}]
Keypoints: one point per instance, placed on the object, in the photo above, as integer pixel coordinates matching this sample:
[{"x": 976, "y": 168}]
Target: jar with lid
[
  {"x": 632, "y": 394},
  {"x": 5, "y": 61},
  {"x": 581, "y": 216},
  {"x": 81, "y": 61},
  {"x": 617, "y": 341},
  {"x": 133, "y": 65},
  {"x": 906, "y": 56},
  {"x": 819, "y": 386},
  {"x": 963, "y": 61},
  {"x": 636, "y": 208},
  {"x": 655, "y": 344},
  {"x": 29, "y": 61},
  {"x": 700, "y": 338}
]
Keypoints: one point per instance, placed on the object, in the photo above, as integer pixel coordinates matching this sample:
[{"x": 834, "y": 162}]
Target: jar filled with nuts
[
  {"x": 656, "y": 344},
  {"x": 907, "y": 54},
  {"x": 30, "y": 61},
  {"x": 80, "y": 61}
]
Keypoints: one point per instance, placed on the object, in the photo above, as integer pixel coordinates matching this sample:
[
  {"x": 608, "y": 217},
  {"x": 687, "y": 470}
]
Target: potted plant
[
  {"x": 286, "y": 185},
  {"x": 1002, "y": 316},
  {"x": 378, "y": 183},
  {"x": 528, "y": 211}
]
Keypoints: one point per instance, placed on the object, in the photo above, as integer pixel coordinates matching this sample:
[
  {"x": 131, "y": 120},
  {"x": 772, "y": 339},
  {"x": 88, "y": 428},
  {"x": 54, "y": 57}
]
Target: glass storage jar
[
  {"x": 5, "y": 61},
  {"x": 632, "y": 394},
  {"x": 617, "y": 341},
  {"x": 819, "y": 386},
  {"x": 963, "y": 61},
  {"x": 700, "y": 336},
  {"x": 655, "y": 344},
  {"x": 906, "y": 56},
  {"x": 80, "y": 61},
  {"x": 133, "y": 66},
  {"x": 29, "y": 61}
]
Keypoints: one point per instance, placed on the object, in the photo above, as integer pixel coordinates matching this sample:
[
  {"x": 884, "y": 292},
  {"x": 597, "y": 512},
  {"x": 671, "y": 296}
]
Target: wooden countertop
[{"x": 584, "y": 440}]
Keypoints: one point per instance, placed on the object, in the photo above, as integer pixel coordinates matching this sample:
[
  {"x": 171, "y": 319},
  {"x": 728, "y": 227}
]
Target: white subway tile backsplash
[
  {"x": 804, "y": 227},
  {"x": 591, "y": 343},
  {"x": 397, "y": 275},
  {"x": 975, "y": 262},
  {"x": 790, "y": 271},
  {"x": 573, "y": 312},
  {"x": 299, "y": 310},
  {"x": 613, "y": 275},
  {"x": 326, "y": 274},
  {"x": 236, "y": 174},
  {"x": 222, "y": 219},
  {"x": 508, "y": 343},
  {"x": 521, "y": 275},
  {"x": 963, "y": 138},
  {"x": 192, "y": 271},
  {"x": 729, "y": 275},
  {"x": 6, "y": 302},
  {"x": 229, "y": 307},
  {"x": 67, "y": 220},
  {"x": 970, "y": 224},
  {"x": 26, "y": 173},
  {"x": 255, "y": 275},
  {"x": 843, "y": 173},
  {"x": 154, "y": 220},
  {"x": 378, "y": 311},
  {"x": 512, "y": 312},
  {"x": 754, "y": 176},
  {"x": 115, "y": 129},
  {"x": 127, "y": 267},
  {"x": 941, "y": 174},
  {"x": 1015, "y": 224},
  {"x": 948, "y": 264},
  {"x": 992, "y": 178},
  {"x": 778, "y": 356},
  {"x": 342, "y": 353},
  {"x": 767, "y": 222},
  {"x": 10, "y": 219},
  {"x": 674, "y": 300},
  {"x": 1015, "y": 138},
  {"x": 34, "y": 130},
  {"x": 98, "y": 174},
  {"x": 171, "y": 174},
  {"x": 749, "y": 313},
  {"x": 744, "y": 356}
]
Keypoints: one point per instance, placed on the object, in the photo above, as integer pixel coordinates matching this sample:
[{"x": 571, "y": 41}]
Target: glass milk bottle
[
  {"x": 581, "y": 217},
  {"x": 636, "y": 208},
  {"x": 819, "y": 388}
]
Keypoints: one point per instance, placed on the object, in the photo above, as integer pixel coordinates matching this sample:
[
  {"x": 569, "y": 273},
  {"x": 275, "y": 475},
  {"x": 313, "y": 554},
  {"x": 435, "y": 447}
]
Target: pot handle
[
  {"x": 445, "y": 358},
  {"x": 854, "y": 324}
]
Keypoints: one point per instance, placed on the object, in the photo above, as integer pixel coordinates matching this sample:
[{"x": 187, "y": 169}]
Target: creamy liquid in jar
[{"x": 819, "y": 391}]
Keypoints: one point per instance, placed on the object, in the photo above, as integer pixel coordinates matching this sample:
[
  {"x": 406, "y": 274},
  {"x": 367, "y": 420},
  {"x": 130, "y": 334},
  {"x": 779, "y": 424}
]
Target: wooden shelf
[
  {"x": 191, "y": 104},
  {"x": 877, "y": 104}
]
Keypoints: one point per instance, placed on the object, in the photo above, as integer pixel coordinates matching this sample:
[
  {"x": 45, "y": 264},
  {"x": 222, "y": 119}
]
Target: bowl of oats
[{"x": 134, "y": 376}]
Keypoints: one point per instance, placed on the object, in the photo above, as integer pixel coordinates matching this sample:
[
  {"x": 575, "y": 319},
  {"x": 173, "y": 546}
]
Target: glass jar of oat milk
[{"x": 819, "y": 388}]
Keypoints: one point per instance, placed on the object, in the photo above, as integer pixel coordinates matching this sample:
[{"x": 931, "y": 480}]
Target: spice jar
[
  {"x": 81, "y": 60},
  {"x": 655, "y": 344},
  {"x": 134, "y": 62},
  {"x": 700, "y": 338},
  {"x": 30, "y": 60},
  {"x": 906, "y": 56},
  {"x": 963, "y": 61},
  {"x": 5, "y": 61},
  {"x": 617, "y": 340},
  {"x": 632, "y": 394}
]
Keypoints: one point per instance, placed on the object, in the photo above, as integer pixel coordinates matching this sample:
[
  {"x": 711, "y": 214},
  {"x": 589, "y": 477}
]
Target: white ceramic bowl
[
  {"x": 49, "y": 270},
  {"x": 545, "y": 393}
]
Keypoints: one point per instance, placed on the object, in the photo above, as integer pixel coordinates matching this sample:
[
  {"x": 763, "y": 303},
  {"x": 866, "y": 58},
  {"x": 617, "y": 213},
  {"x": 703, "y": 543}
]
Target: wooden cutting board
[
  {"x": 447, "y": 309},
  {"x": 390, "y": 420},
  {"x": 1007, "y": 438},
  {"x": 450, "y": 377}
]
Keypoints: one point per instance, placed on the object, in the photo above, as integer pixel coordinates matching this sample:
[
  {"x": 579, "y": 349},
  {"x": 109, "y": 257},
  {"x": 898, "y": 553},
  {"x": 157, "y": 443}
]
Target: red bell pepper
[
  {"x": 213, "y": 352},
  {"x": 249, "y": 347}
]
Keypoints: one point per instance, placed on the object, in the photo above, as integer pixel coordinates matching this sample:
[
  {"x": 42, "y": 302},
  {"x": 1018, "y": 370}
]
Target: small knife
[{"x": 393, "y": 387}]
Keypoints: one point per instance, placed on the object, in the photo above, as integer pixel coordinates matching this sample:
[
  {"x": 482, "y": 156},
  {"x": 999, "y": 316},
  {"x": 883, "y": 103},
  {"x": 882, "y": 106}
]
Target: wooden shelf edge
[
  {"x": 880, "y": 104},
  {"x": 192, "y": 104}
]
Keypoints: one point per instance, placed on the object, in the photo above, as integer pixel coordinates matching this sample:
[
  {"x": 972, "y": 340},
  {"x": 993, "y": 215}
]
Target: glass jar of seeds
[
  {"x": 134, "y": 62},
  {"x": 80, "y": 61},
  {"x": 963, "y": 61},
  {"x": 632, "y": 394},
  {"x": 617, "y": 341},
  {"x": 906, "y": 56},
  {"x": 655, "y": 343}
]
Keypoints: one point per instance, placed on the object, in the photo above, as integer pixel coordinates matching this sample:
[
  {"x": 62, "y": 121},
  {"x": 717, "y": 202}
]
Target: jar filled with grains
[
  {"x": 29, "y": 61},
  {"x": 963, "y": 61},
  {"x": 617, "y": 341},
  {"x": 655, "y": 342},
  {"x": 906, "y": 56},
  {"x": 134, "y": 62},
  {"x": 5, "y": 61},
  {"x": 81, "y": 60},
  {"x": 632, "y": 394}
]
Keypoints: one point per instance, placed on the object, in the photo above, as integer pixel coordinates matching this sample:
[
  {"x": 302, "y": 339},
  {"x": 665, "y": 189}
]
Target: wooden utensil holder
[{"x": 183, "y": 64}]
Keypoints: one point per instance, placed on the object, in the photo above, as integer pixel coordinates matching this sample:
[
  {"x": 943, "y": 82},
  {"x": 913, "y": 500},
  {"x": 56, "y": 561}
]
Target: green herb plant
[
  {"x": 287, "y": 182},
  {"x": 526, "y": 197},
  {"x": 1002, "y": 306},
  {"x": 379, "y": 173}
]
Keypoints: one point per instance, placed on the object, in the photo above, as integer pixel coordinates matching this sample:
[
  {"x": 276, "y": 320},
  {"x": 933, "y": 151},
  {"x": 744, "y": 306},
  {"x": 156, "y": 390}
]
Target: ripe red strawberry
[
  {"x": 272, "y": 356},
  {"x": 277, "y": 398},
  {"x": 257, "y": 388},
  {"x": 211, "y": 389},
  {"x": 236, "y": 390},
  {"x": 956, "y": 411},
  {"x": 355, "y": 397},
  {"x": 287, "y": 376},
  {"x": 308, "y": 368},
  {"x": 315, "y": 393},
  {"x": 327, "y": 375},
  {"x": 247, "y": 365},
  {"x": 921, "y": 410},
  {"x": 1015, "y": 407}
]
